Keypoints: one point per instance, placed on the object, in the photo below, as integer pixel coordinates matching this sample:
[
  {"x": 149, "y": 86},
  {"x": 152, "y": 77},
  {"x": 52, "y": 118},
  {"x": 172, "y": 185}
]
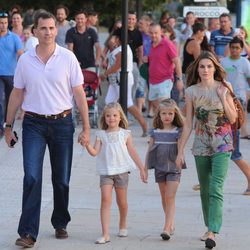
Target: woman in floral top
[{"x": 212, "y": 105}]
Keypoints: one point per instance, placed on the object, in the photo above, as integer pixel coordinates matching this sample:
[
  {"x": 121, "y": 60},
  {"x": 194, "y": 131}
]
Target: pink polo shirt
[
  {"x": 48, "y": 87},
  {"x": 160, "y": 58}
]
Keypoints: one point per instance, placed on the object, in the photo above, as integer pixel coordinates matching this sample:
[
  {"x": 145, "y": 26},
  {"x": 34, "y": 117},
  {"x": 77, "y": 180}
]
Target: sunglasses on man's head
[{"x": 3, "y": 14}]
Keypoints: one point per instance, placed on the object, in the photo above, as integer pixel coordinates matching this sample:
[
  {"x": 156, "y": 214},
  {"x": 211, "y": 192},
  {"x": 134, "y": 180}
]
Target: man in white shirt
[
  {"x": 46, "y": 79},
  {"x": 62, "y": 24}
]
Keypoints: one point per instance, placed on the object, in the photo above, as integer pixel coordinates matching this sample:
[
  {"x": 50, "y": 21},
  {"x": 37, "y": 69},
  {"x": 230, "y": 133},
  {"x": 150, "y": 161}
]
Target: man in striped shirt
[{"x": 221, "y": 37}]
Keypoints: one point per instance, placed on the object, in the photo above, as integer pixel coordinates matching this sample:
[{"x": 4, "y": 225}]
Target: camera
[{"x": 13, "y": 142}]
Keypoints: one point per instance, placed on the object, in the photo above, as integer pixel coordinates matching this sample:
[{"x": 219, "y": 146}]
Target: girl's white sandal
[
  {"x": 123, "y": 233},
  {"x": 102, "y": 240}
]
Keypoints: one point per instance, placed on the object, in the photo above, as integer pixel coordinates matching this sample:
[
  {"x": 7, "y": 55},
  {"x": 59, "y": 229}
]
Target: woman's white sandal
[{"x": 204, "y": 236}]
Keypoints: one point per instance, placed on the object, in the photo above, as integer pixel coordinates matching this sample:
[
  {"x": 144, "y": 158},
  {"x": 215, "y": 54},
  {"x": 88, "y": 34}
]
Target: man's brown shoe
[
  {"x": 25, "y": 241},
  {"x": 61, "y": 233}
]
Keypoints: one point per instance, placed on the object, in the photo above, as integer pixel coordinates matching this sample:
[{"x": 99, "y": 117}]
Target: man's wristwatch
[
  {"x": 178, "y": 78},
  {"x": 8, "y": 125}
]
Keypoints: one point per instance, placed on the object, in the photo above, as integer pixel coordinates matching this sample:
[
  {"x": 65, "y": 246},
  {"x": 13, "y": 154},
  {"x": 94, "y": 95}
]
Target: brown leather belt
[{"x": 49, "y": 117}]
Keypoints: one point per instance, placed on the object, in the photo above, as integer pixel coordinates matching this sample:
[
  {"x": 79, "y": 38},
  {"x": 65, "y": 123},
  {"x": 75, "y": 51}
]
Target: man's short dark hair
[
  {"x": 92, "y": 12},
  {"x": 132, "y": 12},
  {"x": 61, "y": 6},
  {"x": 43, "y": 14},
  {"x": 189, "y": 12},
  {"x": 81, "y": 12},
  {"x": 225, "y": 15},
  {"x": 236, "y": 40}
]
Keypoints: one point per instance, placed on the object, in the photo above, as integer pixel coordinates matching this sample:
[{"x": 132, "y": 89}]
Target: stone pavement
[{"x": 145, "y": 218}]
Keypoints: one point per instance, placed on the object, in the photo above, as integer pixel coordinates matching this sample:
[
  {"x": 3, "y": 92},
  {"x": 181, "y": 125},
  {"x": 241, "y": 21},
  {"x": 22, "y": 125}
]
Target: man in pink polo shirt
[{"x": 163, "y": 60}]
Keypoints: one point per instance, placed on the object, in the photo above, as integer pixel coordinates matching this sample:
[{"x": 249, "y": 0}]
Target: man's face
[
  {"x": 46, "y": 31},
  {"x": 3, "y": 25},
  {"x": 61, "y": 15},
  {"x": 155, "y": 34},
  {"x": 225, "y": 23},
  {"x": 215, "y": 24},
  {"x": 80, "y": 20},
  {"x": 132, "y": 21},
  {"x": 143, "y": 25},
  {"x": 93, "y": 19},
  {"x": 190, "y": 19}
]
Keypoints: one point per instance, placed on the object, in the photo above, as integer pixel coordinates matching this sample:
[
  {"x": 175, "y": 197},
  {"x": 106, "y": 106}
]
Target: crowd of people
[{"x": 165, "y": 65}]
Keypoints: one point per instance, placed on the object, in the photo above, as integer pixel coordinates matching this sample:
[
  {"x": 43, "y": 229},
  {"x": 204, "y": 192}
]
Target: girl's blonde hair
[
  {"x": 192, "y": 70},
  {"x": 113, "y": 105},
  {"x": 178, "y": 118},
  {"x": 245, "y": 30}
]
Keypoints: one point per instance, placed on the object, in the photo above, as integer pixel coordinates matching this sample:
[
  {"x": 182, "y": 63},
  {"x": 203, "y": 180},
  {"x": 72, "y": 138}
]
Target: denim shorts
[
  {"x": 163, "y": 176},
  {"x": 118, "y": 180},
  {"x": 141, "y": 88},
  {"x": 160, "y": 90},
  {"x": 236, "y": 154}
]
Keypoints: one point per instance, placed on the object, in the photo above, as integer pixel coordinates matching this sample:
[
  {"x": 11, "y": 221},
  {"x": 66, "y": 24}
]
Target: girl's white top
[{"x": 114, "y": 157}]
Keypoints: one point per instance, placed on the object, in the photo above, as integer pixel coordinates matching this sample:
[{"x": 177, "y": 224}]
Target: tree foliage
[{"x": 110, "y": 10}]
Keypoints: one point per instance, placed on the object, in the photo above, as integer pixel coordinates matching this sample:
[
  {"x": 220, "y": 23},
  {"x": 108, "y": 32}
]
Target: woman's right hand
[{"x": 180, "y": 159}]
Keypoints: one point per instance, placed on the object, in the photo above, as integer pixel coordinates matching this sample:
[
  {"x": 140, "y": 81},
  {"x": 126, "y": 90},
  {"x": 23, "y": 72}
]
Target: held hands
[{"x": 84, "y": 138}]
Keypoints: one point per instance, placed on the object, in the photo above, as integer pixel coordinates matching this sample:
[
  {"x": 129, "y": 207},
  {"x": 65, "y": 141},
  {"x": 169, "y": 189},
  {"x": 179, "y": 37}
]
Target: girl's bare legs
[
  {"x": 106, "y": 196},
  {"x": 121, "y": 199},
  {"x": 140, "y": 102},
  {"x": 168, "y": 192}
]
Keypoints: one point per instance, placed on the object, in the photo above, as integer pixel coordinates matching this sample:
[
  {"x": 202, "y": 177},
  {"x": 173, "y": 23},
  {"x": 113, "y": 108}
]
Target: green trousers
[{"x": 212, "y": 171}]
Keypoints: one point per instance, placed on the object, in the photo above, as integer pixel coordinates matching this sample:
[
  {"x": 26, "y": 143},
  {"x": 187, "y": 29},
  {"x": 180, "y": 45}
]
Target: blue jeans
[
  {"x": 236, "y": 154},
  {"x": 6, "y": 86},
  {"x": 37, "y": 134}
]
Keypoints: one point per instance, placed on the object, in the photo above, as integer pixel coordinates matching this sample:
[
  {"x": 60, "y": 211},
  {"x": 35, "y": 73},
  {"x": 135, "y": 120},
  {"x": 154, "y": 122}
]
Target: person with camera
[{"x": 45, "y": 82}]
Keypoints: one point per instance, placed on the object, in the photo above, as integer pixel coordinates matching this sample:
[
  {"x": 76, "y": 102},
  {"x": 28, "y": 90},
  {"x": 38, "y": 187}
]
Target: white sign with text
[{"x": 205, "y": 11}]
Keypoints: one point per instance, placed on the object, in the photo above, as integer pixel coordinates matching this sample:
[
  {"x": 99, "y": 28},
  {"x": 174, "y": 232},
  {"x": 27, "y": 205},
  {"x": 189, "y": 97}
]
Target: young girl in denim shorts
[
  {"x": 116, "y": 156},
  {"x": 161, "y": 156}
]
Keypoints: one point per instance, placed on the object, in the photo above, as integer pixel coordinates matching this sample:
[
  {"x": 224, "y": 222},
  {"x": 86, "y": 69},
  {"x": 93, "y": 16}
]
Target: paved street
[{"x": 145, "y": 218}]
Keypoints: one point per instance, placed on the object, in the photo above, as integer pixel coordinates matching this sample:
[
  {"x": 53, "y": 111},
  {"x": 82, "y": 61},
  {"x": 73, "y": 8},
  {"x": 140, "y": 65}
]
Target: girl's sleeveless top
[
  {"x": 163, "y": 153},
  {"x": 213, "y": 132},
  {"x": 114, "y": 157}
]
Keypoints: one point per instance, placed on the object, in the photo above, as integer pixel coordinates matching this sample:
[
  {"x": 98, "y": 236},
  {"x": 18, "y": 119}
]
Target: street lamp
[{"x": 124, "y": 71}]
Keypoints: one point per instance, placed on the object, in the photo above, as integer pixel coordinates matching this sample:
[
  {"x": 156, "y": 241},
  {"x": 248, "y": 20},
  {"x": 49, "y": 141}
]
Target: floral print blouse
[{"x": 213, "y": 132}]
